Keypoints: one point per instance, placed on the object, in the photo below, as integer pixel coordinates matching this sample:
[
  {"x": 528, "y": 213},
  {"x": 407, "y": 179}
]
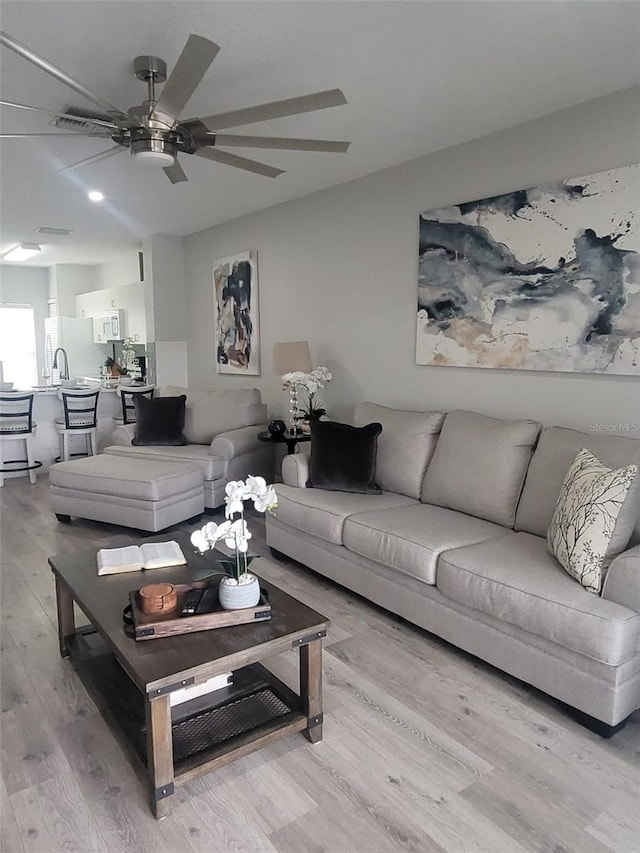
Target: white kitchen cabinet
[
  {"x": 91, "y": 304},
  {"x": 129, "y": 298}
]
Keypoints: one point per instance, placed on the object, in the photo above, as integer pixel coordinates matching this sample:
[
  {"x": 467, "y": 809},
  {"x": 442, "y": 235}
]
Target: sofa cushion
[
  {"x": 479, "y": 465},
  {"x": 323, "y": 514},
  {"x": 593, "y": 518},
  {"x": 405, "y": 446},
  {"x": 212, "y": 412},
  {"x": 159, "y": 421},
  {"x": 410, "y": 539},
  {"x": 212, "y": 467},
  {"x": 554, "y": 454},
  {"x": 343, "y": 457},
  {"x": 516, "y": 579}
]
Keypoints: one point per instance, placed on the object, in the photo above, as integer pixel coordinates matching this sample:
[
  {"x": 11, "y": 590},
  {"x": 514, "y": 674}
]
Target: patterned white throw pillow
[{"x": 593, "y": 519}]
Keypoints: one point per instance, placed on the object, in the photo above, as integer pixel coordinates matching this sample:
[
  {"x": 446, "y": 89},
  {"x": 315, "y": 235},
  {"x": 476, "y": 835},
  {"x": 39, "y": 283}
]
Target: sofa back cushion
[
  {"x": 554, "y": 455},
  {"x": 479, "y": 465},
  {"x": 211, "y": 412},
  {"x": 405, "y": 446}
]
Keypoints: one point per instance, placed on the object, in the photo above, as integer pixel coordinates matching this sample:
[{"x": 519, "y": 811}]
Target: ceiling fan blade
[
  {"x": 281, "y": 142},
  {"x": 239, "y": 162},
  {"x": 97, "y": 121},
  {"x": 175, "y": 173},
  {"x": 193, "y": 63},
  {"x": 276, "y": 109},
  {"x": 50, "y": 69},
  {"x": 102, "y": 156},
  {"x": 59, "y": 135}
]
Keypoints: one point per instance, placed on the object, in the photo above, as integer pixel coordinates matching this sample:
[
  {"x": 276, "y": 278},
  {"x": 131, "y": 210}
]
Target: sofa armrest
[
  {"x": 235, "y": 442},
  {"x": 123, "y": 434},
  {"x": 622, "y": 583},
  {"x": 295, "y": 469}
]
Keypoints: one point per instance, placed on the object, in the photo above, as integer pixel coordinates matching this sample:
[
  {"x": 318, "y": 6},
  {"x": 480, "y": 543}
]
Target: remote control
[
  {"x": 191, "y": 601},
  {"x": 208, "y": 601}
]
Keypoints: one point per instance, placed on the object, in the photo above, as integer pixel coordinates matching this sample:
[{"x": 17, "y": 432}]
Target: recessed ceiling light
[
  {"x": 22, "y": 252},
  {"x": 96, "y": 195}
]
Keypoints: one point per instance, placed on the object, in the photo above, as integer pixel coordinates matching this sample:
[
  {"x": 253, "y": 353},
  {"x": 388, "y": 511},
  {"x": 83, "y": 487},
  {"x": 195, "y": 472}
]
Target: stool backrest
[
  {"x": 80, "y": 407},
  {"x": 16, "y": 413},
  {"x": 127, "y": 398}
]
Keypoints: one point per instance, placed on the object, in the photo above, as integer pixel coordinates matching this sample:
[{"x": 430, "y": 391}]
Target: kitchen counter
[
  {"x": 52, "y": 391},
  {"x": 47, "y": 407}
]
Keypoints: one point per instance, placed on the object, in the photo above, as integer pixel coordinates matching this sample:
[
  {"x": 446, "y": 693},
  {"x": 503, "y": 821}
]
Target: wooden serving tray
[{"x": 151, "y": 626}]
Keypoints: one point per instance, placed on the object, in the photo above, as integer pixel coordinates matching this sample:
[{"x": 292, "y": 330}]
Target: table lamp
[{"x": 291, "y": 357}]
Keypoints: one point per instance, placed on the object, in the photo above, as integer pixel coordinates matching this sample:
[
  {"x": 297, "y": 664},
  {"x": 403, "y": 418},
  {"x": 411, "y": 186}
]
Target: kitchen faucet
[{"x": 64, "y": 374}]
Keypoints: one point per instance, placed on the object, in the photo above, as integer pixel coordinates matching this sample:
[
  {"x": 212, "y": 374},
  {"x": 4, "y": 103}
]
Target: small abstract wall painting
[
  {"x": 237, "y": 318},
  {"x": 540, "y": 279}
]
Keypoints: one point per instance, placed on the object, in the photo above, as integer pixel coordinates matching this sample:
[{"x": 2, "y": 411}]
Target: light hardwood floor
[{"x": 426, "y": 749}]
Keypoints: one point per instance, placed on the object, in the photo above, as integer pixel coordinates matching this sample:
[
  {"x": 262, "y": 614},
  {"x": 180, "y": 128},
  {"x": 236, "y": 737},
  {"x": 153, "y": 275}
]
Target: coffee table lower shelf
[{"x": 207, "y": 732}]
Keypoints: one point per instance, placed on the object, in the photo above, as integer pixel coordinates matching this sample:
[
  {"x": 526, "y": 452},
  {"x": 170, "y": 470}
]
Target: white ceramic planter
[{"x": 237, "y": 596}]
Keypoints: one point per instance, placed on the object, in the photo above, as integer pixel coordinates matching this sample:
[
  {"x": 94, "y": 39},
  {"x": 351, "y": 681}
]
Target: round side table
[{"x": 284, "y": 438}]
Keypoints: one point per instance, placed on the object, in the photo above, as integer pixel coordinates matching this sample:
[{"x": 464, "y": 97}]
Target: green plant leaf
[{"x": 230, "y": 567}]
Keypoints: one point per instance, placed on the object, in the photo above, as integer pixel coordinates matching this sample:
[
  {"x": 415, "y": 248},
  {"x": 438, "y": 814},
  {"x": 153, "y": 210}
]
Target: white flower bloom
[
  {"x": 235, "y": 494},
  {"x": 205, "y": 538},
  {"x": 199, "y": 541},
  {"x": 238, "y": 535},
  {"x": 296, "y": 377},
  {"x": 256, "y": 486},
  {"x": 267, "y": 501}
]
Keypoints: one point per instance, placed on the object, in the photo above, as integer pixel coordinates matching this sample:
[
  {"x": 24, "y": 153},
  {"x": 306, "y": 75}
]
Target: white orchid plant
[
  {"x": 312, "y": 383},
  {"x": 235, "y": 532},
  {"x": 128, "y": 357}
]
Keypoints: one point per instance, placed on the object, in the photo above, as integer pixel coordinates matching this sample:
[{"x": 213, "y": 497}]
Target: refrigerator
[{"x": 75, "y": 336}]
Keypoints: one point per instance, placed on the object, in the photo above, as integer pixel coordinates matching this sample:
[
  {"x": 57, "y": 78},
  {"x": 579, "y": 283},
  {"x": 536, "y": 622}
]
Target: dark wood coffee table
[{"x": 178, "y": 744}]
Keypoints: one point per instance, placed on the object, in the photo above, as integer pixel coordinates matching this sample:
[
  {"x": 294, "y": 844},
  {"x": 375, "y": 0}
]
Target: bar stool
[
  {"x": 80, "y": 410},
  {"x": 16, "y": 424},
  {"x": 127, "y": 394}
]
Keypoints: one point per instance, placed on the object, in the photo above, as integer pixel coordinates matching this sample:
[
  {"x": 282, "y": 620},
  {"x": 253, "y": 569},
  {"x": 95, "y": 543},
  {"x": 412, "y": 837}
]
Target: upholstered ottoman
[{"x": 140, "y": 493}]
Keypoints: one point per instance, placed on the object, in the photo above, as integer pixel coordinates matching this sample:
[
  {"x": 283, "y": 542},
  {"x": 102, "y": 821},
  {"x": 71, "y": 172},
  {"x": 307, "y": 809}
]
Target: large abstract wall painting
[
  {"x": 539, "y": 279},
  {"x": 237, "y": 319}
]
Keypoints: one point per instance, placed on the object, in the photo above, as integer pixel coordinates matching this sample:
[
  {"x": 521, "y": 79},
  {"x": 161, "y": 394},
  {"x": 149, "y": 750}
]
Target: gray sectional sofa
[
  {"x": 456, "y": 544},
  {"x": 221, "y": 428}
]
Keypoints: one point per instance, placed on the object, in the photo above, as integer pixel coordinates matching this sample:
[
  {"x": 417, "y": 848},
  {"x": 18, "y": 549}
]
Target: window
[{"x": 18, "y": 345}]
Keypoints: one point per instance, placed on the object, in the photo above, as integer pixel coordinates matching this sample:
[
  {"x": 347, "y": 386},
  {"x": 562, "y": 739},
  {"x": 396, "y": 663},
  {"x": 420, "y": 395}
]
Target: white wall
[
  {"x": 339, "y": 268},
  {"x": 66, "y": 281},
  {"x": 164, "y": 267},
  {"x": 166, "y": 308},
  {"x": 27, "y": 286},
  {"x": 125, "y": 269}
]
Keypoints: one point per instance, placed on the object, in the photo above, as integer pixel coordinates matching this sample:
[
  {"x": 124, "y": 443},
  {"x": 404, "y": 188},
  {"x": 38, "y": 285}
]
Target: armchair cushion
[
  {"x": 208, "y": 413},
  {"x": 343, "y": 457}
]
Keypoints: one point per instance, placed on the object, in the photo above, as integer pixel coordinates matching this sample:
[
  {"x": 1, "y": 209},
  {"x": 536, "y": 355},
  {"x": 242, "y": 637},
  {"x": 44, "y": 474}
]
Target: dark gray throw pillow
[
  {"x": 159, "y": 421},
  {"x": 343, "y": 457}
]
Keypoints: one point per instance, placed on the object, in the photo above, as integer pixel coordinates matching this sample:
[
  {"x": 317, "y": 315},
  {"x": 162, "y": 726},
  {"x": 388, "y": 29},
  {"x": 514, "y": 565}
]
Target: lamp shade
[{"x": 291, "y": 355}]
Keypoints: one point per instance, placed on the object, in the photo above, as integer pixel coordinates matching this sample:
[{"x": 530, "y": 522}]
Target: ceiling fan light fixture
[
  {"x": 22, "y": 252},
  {"x": 153, "y": 151}
]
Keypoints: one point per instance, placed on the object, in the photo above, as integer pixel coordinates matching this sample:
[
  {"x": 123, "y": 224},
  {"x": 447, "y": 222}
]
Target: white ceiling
[{"x": 418, "y": 76}]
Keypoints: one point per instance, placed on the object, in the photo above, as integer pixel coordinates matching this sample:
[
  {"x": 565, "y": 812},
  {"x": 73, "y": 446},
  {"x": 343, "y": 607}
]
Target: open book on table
[{"x": 132, "y": 558}]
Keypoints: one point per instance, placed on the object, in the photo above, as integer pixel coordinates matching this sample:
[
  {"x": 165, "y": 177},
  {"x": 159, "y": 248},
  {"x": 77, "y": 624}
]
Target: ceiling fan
[{"x": 153, "y": 132}]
